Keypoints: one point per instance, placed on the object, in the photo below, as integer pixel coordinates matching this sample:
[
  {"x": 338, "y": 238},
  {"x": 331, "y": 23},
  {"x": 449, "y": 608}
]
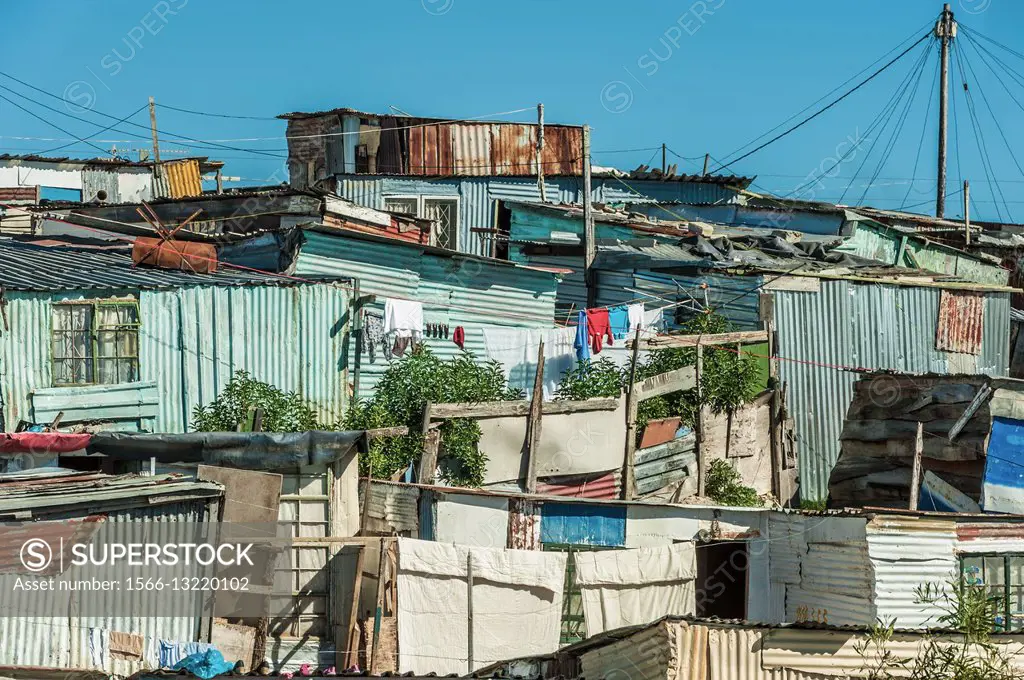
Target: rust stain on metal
[
  {"x": 605, "y": 485},
  {"x": 523, "y": 524},
  {"x": 514, "y": 149},
  {"x": 562, "y": 153},
  {"x": 200, "y": 258},
  {"x": 960, "y": 322},
  {"x": 974, "y": 532},
  {"x": 430, "y": 150}
]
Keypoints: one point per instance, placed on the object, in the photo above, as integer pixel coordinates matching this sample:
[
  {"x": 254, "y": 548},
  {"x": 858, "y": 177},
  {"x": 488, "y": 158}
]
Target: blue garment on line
[
  {"x": 618, "y": 319},
  {"x": 582, "y": 342}
]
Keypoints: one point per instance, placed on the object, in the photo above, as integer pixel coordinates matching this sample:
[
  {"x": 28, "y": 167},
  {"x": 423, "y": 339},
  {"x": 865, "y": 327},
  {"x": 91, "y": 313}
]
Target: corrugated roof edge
[
  {"x": 100, "y": 162},
  {"x": 298, "y": 115}
]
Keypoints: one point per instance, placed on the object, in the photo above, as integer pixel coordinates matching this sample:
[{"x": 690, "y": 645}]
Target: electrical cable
[
  {"x": 100, "y": 132},
  {"x": 215, "y": 115},
  {"x": 924, "y": 129},
  {"x": 53, "y": 125},
  {"x": 888, "y": 111},
  {"x": 819, "y": 112},
  {"x": 991, "y": 111},
  {"x": 897, "y": 130},
  {"x": 827, "y": 94},
  {"x": 979, "y": 136}
]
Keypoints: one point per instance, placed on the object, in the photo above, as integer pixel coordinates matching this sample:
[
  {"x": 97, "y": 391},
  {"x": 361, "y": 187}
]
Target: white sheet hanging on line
[
  {"x": 516, "y": 350},
  {"x": 633, "y": 587},
  {"x": 517, "y": 605},
  {"x": 404, "y": 318}
]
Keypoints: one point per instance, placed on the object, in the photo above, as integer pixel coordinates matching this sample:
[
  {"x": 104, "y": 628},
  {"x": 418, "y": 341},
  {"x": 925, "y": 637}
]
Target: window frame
[
  {"x": 94, "y": 360},
  {"x": 1007, "y": 587},
  {"x": 421, "y": 211}
]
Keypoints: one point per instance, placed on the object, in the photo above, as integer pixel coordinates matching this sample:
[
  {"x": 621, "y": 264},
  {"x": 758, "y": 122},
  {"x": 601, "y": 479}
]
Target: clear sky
[{"x": 701, "y": 77}]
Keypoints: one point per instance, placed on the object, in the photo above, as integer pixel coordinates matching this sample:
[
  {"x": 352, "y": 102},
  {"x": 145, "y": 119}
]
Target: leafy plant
[
  {"x": 282, "y": 411},
  {"x": 723, "y": 486},
  {"x": 591, "y": 380},
  {"x": 966, "y": 653},
  {"x": 399, "y": 399}
]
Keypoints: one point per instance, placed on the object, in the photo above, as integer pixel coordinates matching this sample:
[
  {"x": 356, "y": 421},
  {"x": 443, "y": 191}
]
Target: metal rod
[
  {"x": 967, "y": 213},
  {"x": 540, "y": 153},
  {"x": 663, "y": 148},
  {"x": 707, "y": 157}
]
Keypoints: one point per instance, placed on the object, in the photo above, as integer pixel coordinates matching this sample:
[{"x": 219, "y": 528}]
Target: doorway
[{"x": 721, "y": 587}]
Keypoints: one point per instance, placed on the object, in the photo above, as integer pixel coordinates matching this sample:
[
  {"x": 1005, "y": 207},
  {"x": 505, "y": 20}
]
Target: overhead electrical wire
[
  {"x": 216, "y": 115},
  {"x": 924, "y": 130},
  {"x": 826, "y": 95},
  {"x": 822, "y": 110},
  {"x": 897, "y": 130},
  {"x": 979, "y": 136},
  {"x": 99, "y": 132},
  {"x": 51, "y": 124}
]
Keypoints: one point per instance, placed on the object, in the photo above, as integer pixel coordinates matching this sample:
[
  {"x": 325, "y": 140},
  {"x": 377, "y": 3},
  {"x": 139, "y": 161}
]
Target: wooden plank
[
  {"x": 382, "y": 432},
  {"x": 249, "y": 496},
  {"x": 502, "y": 409},
  {"x": 428, "y": 459},
  {"x": 766, "y": 303},
  {"x": 379, "y": 612},
  {"x": 915, "y": 477},
  {"x": 352, "y": 634},
  {"x": 746, "y": 337},
  {"x": 632, "y": 402},
  {"x": 533, "y": 423},
  {"x": 701, "y": 462},
  {"x": 983, "y": 394},
  {"x": 679, "y": 380},
  {"x": 469, "y": 610}
]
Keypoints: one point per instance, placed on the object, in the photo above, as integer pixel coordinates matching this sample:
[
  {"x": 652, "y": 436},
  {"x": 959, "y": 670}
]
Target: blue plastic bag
[{"x": 205, "y": 665}]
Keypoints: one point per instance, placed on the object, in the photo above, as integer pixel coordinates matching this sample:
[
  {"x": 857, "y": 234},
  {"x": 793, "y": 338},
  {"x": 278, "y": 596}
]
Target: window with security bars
[
  {"x": 444, "y": 213},
  {"x": 574, "y": 627},
  {"x": 95, "y": 343},
  {"x": 1002, "y": 577}
]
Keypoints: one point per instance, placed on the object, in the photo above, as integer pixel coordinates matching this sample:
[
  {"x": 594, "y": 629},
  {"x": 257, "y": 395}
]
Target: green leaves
[
  {"x": 723, "y": 486},
  {"x": 282, "y": 411},
  {"x": 399, "y": 399}
]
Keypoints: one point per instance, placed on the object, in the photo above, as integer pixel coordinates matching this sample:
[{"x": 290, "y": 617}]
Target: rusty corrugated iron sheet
[
  {"x": 188, "y": 256},
  {"x": 604, "y": 485},
  {"x": 472, "y": 148},
  {"x": 563, "y": 150},
  {"x": 430, "y": 150},
  {"x": 974, "y": 532},
  {"x": 523, "y": 524},
  {"x": 24, "y": 194},
  {"x": 960, "y": 322},
  {"x": 514, "y": 149}
]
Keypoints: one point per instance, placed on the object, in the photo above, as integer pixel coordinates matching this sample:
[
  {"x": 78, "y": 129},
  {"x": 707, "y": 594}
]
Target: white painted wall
[
  {"x": 26, "y": 174},
  {"x": 135, "y": 184},
  {"x": 476, "y": 521}
]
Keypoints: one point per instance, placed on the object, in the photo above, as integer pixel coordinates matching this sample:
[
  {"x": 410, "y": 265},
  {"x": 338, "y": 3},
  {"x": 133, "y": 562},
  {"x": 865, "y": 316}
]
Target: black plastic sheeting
[{"x": 245, "y": 450}]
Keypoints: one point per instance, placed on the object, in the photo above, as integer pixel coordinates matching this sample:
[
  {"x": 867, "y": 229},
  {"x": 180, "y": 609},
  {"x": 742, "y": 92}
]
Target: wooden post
[
  {"x": 379, "y": 612},
  {"x": 152, "y": 125},
  {"x": 533, "y": 423},
  {"x": 967, "y": 213},
  {"x": 351, "y": 650},
  {"x": 469, "y": 610},
  {"x": 707, "y": 157},
  {"x": 701, "y": 463},
  {"x": 428, "y": 459},
  {"x": 915, "y": 475},
  {"x": 775, "y": 424},
  {"x": 589, "y": 246},
  {"x": 540, "y": 154},
  {"x": 220, "y": 181},
  {"x": 632, "y": 404}
]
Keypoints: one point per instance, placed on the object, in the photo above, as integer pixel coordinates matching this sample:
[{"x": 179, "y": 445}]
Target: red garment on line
[
  {"x": 598, "y": 326},
  {"x": 459, "y": 337}
]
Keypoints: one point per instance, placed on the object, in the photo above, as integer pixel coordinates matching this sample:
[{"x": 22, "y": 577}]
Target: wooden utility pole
[
  {"x": 632, "y": 403},
  {"x": 540, "y": 153},
  {"x": 152, "y": 125},
  {"x": 533, "y": 422},
  {"x": 707, "y": 157},
  {"x": 915, "y": 473},
  {"x": 945, "y": 31},
  {"x": 702, "y": 468},
  {"x": 663, "y": 165},
  {"x": 589, "y": 246},
  {"x": 967, "y": 213}
]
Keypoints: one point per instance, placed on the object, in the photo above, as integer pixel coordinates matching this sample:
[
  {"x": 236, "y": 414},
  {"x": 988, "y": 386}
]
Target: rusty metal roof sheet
[{"x": 960, "y": 322}]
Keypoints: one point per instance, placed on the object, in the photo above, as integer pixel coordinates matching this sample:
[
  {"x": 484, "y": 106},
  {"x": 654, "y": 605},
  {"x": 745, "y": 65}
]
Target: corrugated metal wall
[
  {"x": 860, "y": 325},
  {"x": 457, "y": 292},
  {"x": 192, "y": 341}
]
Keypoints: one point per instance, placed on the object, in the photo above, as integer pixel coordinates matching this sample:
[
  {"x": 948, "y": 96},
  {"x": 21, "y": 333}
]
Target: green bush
[
  {"x": 399, "y": 399},
  {"x": 723, "y": 486},
  {"x": 282, "y": 411}
]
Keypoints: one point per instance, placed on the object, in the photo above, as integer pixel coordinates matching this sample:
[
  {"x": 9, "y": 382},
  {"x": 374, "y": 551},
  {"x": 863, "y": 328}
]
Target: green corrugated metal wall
[
  {"x": 456, "y": 291},
  {"x": 192, "y": 340}
]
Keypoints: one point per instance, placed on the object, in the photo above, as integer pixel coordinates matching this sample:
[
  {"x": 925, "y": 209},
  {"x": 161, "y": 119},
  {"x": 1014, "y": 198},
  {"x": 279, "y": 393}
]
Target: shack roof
[
  {"x": 51, "y": 489},
  {"x": 31, "y": 266},
  {"x": 205, "y": 163}
]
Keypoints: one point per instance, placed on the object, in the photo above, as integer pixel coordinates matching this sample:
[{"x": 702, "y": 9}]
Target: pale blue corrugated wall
[
  {"x": 194, "y": 339},
  {"x": 473, "y": 294},
  {"x": 862, "y": 326}
]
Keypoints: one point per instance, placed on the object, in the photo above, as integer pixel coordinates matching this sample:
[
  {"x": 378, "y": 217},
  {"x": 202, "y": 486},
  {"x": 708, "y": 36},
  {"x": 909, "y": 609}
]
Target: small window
[
  {"x": 1002, "y": 577},
  {"x": 404, "y": 206},
  {"x": 95, "y": 343}
]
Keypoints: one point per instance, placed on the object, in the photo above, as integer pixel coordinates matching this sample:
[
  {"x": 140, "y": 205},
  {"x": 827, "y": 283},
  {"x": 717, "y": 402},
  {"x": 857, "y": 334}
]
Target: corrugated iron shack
[
  {"x": 71, "y": 641},
  {"x": 456, "y": 172},
  {"x": 835, "y": 313},
  {"x": 89, "y": 334}
]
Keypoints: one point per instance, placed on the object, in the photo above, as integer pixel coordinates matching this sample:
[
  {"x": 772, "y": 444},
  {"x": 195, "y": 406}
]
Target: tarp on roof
[{"x": 246, "y": 450}]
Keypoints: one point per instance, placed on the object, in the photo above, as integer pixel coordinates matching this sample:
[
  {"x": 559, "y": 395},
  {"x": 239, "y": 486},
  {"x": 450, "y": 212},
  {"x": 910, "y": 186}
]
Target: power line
[
  {"x": 888, "y": 112},
  {"x": 64, "y": 146},
  {"x": 833, "y": 103},
  {"x": 51, "y": 124},
  {"x": 924, "y": 129},
  {"x": 216, "y": 115},
  {"x": 827, "y": 94}
]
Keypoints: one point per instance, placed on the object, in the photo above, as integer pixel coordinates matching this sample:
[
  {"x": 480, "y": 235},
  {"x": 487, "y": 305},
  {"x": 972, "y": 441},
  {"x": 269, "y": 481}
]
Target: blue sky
[{"x": 698, "y": 76}]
